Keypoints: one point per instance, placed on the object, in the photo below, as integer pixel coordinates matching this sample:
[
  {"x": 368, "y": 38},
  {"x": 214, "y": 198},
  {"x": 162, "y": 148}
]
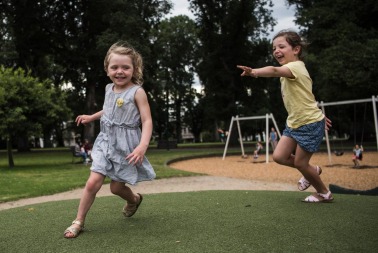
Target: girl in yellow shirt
[{"x": 305, "y": 124}]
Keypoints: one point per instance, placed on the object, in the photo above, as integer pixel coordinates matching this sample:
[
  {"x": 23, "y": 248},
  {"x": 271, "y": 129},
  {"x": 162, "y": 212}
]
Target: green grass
[
  {"x": 209, "y": 221},
  {"x": 39, "y": 173}
]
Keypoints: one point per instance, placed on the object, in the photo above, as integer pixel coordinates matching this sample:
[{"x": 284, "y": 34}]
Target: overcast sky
[{"x": 281, "y": 13}]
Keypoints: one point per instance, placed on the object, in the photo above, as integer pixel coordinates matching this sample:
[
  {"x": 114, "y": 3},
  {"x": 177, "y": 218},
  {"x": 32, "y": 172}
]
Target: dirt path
[{"x": 236, "y": 173}]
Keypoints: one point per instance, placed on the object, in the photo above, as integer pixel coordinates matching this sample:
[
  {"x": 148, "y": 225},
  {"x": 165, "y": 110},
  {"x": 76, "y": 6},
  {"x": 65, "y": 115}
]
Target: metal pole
[
  {"x": 228, "y": 138},
  {"x": 267, "y": 138},
  {"x": 240, "y": 136},
  {"x": 275, "y": 124},
  {"x": 374, "y": 100},
  {"x": 326, "y": 135}
]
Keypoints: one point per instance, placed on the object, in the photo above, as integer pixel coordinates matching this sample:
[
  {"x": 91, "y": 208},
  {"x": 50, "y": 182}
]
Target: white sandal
[
  {"x": 324, "y": 198},
  {"x": 303, "y": 183},
  {"x": 73, "y": 230}
]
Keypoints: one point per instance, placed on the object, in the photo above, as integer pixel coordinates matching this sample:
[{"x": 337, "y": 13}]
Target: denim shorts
[{"x": 308, "y": 137}]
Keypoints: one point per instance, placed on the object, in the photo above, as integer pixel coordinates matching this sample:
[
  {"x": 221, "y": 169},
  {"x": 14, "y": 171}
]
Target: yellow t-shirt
[{"x": 297, "y": 96}]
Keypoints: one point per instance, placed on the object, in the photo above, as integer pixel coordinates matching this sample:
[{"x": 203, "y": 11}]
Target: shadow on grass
[{"x": 209, "y": 221}]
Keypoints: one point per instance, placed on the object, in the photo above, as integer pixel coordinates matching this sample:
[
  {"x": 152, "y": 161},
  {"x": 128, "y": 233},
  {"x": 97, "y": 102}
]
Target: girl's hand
[
  {"x": 83, "y": 119},
  {"x": 328, "y": 124},
  {"x": 247, "y": 71},
  {"x": 137, "y": 156}
]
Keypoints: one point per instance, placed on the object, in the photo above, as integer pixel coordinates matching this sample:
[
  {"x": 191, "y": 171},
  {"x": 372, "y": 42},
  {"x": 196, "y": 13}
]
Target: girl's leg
[
  {"x": 122, "y": 190},
  {"x": 132, "y": 200},
  {"x": 283, "y": 153},
  {"x": 301, "y": 162},
  {"x": 92, "y": 186}
]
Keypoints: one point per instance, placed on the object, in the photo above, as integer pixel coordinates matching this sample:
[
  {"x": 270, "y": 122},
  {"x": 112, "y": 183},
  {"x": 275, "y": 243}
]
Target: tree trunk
[
  {"x": 89, "y": 129},
  {"x": 178, "y": 120},
  {"x": 10, "y": 154}
]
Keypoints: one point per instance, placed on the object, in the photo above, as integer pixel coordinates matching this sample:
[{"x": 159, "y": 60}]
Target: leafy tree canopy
[
  {"x": 27, "y": 104},
  {"x": 342, "y": 54}
]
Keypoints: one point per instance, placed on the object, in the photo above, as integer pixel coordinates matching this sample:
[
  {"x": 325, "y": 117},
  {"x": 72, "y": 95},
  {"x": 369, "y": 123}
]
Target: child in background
[
  {"x": 273, "y": 138},
  {"x": 119, "y": 149},
  {"x": 79, "y": 151},
  {"x": 306, "y": 123},
  {"x": 88, "y": 149},
  {"x": 259, "y": 147},
  {"x": 357, "y": 155}
]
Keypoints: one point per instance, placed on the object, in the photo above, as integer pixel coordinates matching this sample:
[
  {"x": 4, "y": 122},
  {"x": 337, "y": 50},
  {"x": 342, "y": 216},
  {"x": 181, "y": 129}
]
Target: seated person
[
  {"x": 357, "y": 155},
  {"x": 79, "y": 151},
  {"x": 259, "y": 147},
  {"x": 88, "y": 148}
]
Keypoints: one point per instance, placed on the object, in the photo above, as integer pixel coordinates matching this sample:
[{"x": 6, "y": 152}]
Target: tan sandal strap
[
  {"x": 72, "y": 230},
  {"x": 77, "y": 222}
]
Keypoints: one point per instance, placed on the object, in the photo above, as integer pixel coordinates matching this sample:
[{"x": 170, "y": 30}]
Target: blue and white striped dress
[{"x": 120, "y": 134}]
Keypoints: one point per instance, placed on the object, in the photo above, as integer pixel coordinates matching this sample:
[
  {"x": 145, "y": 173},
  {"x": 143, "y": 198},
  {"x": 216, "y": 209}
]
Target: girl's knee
[
  {"x": 278, "y": 158},
  {"x": 93, "y": 186}
]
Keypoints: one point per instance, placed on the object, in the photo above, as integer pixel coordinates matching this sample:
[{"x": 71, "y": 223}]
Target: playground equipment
[
  {"x": 237, "y": 119},
  {"x": 374, "y": 100}
]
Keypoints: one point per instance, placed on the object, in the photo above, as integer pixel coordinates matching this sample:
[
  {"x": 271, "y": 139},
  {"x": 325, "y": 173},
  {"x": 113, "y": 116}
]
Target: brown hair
[
  {"x": 293, "y": 39},
  {"x": 123, "y": 48}
]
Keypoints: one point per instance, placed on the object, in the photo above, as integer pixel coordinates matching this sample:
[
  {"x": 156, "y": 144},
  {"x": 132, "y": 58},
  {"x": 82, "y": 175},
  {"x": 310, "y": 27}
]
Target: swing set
[
  {"x": 237, "y": 119},
  {"x": 341, "y": 152},
  {"x": 374, "y": 99}
]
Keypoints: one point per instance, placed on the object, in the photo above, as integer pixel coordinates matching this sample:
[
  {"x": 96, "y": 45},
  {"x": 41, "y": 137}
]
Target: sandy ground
[
  {"x": 236, "y": 173},
  {"x": 339, "y": 172}
]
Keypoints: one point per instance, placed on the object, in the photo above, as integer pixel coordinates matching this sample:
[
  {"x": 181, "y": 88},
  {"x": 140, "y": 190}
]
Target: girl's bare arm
[
  {"x": 268, "y": 71},
  {"x": 137, "y": 155},
  {"x": 85, "y": 119}
]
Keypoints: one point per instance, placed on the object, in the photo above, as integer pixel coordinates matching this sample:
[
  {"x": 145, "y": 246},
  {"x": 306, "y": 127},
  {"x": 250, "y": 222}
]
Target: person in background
[
  {"x": 259, "y": 147},
  {"x": 273, "y": 138},
  {"x": 88, "y": 148},
  {"x": 222, "y": 135},
  {"x": 357, "y": 155},
  {"x": 79, "y": 151}
]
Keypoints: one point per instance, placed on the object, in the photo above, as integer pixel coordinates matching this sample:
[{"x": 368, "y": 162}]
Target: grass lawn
[{"x": 209, "y": 221}]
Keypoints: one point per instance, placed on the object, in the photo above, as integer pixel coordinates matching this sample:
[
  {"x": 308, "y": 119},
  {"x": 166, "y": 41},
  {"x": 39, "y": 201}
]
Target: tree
[
  {"x": 230, "y": 33},
  {"x": 177, "y": 38},
  {"x": 26, "y": 104},
  {"x": 194, "y": 114},
  {"x": 35, "y": 35},
  {"x": 343, "y": 37},
  {"x": 66, "y": 41}
]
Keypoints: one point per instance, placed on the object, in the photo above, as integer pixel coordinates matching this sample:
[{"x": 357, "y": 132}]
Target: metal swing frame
[
  {"x": 237, "y": 119},
  {"x": 374, "y": 100}
]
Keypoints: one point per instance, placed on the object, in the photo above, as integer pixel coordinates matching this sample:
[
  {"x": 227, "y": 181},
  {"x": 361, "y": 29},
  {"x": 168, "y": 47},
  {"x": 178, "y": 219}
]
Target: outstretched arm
[{"x": 268, "y": 71}]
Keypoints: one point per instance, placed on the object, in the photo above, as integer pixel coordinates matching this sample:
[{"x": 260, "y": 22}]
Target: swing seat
[{"x": 338, "y": 153}]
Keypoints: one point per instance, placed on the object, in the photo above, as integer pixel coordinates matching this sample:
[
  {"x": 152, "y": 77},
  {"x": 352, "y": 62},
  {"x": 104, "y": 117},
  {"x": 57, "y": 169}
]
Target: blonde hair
[{"x": 123, "y": 48}]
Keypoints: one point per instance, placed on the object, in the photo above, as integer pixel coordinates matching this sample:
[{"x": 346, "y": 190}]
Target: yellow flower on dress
[{"x": 119, "y": 102}]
